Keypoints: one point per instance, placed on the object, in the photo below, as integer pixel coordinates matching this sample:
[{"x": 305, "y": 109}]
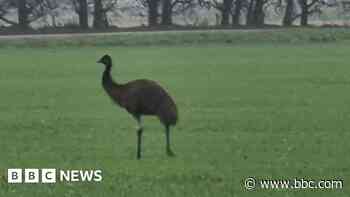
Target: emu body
[{"x": 141, "y": 97}]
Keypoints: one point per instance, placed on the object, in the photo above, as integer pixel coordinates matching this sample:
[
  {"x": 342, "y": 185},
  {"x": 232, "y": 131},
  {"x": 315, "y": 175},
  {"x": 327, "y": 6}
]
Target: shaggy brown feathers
[{"x": 141, "y": 97}]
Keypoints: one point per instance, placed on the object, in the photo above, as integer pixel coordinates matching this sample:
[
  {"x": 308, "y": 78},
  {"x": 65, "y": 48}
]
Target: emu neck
[
  {"x": 113, "y": 89},
  {"x": 107, "y": 79}
]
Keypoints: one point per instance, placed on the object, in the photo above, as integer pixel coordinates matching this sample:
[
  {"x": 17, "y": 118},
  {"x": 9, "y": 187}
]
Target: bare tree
[
  {"x": 288, "y": 17},
  {"x": 153, "y": 6},
  {"x": 28, "y": 11},
  {"x": 224, "y": 7},
  {"x": 81, "y": 8},
  {"x": 5, "y": 7},
  {"x": 31, "y": 10},
  {"x": 227, "y": 8},
  {"x": 255, "y": 12},
  {"x": 306, "y": 7},
  {"x": 171, "y": 7},
  {"x": 259, "y": 14},
  {"x": 166, "y": 12},
  {"x": 51, "y": 6},
  {"x": 101, "y": 9},
  {"x": 238, "y": 6}
]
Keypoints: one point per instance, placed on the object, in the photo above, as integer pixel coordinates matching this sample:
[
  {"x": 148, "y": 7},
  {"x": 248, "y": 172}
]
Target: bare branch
[{"x": 8, "y": 21}]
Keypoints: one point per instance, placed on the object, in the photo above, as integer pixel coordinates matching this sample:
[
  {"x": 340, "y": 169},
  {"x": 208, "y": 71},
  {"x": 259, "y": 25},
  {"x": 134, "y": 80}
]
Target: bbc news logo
[{"x": 50, "y": 175}]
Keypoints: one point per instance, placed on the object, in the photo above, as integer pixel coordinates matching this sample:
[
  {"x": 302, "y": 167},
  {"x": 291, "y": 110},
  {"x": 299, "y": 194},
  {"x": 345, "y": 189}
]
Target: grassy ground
[{"x": 266, "y": 111}]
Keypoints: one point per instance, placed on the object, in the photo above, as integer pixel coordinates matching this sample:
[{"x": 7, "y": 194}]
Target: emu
[{"x": 141, "y": 97}]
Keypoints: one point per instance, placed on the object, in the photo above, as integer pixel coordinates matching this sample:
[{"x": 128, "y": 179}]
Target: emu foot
[{"x": 170, "y": 153}]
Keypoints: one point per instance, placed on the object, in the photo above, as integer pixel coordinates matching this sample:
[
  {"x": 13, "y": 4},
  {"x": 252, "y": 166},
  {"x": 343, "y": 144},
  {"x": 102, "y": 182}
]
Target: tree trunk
[
  {"x": 83, "y": 14},
  {"x": 259, "y": 15},
  {"x": 167, "y": 13},
  {"x": 100, "y": 18},
  {"x": 236, "y": 15},
  {"x": 226, "y": 11},
  {"x": 288, "y": 16},
  {"x": 153, "y": 12},
  {"x": 53, "y": 19},
  {"x": 23, "y": 21},
  {"x": 250, "y": 13},
  {"x": 304, "y": 13}
]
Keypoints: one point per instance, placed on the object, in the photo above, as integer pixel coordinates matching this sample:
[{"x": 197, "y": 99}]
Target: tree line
[{"x": 161, "y": 12}]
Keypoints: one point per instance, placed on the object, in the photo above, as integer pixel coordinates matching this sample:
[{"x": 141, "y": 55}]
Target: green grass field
[{"x": 258, "y": 110}]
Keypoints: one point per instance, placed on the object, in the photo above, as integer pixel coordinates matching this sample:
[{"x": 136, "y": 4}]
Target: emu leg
[
  {"x": 168, "y": 149},
  {"x": 139, "y": 136},
  {"x": 139, "y": 141}
]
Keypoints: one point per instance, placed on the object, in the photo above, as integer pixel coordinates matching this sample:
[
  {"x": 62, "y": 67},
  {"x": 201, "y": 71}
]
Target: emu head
[{"x": 106, "y": 60}]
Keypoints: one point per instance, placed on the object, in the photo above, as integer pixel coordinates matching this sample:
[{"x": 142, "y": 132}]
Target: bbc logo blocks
[
  {"x": 14, "y": 175},
  {"x": 34, "y": 175},
  {"x": 31, "y": 176},
  {"x": 48, "y": 175}
]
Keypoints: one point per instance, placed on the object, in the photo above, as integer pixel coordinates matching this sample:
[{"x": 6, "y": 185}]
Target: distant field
[
  {"x": 180, "y": 38},
  {"x": 259, "y": 110}
]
